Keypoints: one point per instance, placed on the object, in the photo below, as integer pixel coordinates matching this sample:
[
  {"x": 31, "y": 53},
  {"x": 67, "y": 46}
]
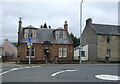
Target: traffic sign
[{"x": 29, "y": 39}]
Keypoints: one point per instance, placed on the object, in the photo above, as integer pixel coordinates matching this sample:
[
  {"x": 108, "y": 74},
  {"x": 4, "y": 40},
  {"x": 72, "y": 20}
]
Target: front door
[{"x": 47, "y": 54}]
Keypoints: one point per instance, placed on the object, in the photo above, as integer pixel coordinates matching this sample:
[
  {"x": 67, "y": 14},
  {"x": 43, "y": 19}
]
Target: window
[
  {"x": 108, "y": 39},
  {"x": 83, "y": 53},
  {"x": 28, "y": 52},
  {"x": 60, "y": 35},
  {"x": 108, "y": 53},
  {"x": 30, "y": 33},
  {"x": 62, "y": 52},
  {"x": 57, "y": 35},
  {"x": 32, "y": 52}
]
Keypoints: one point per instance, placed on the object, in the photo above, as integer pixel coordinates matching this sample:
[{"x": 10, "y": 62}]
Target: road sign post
[
  {"x": 30, "y": 47},
  {"x": 30, "y": 56}
]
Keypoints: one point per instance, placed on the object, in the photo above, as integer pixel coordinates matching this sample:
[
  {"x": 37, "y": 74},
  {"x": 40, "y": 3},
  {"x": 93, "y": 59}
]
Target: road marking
[
  {"x": 15, "y": 69},
  {"x": 107, "y": 77},
  {"x": 62, "y": 72},
  {"x": 4, "y": 72}
]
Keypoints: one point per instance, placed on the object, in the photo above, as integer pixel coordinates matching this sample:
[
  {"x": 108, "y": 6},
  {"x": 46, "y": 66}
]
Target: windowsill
[
  {"x": 62, "y": 57},
  {"x": 31, "y": 56},
  {"x": 61, "y": 39}
]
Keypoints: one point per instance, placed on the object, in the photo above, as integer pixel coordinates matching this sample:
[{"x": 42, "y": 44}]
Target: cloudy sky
[{"x": 54, "y": 13}]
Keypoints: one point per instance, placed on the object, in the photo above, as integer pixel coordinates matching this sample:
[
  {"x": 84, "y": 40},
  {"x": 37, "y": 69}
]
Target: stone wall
[{"x": 103, "y": 45}]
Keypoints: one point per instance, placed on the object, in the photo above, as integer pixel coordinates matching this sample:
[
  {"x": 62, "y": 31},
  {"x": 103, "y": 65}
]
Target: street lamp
[{"x": 80, "y": 29}]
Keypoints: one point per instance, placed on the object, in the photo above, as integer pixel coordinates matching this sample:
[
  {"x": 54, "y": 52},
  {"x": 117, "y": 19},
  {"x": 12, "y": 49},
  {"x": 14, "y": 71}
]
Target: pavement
[{"x": 57, "y": 72}]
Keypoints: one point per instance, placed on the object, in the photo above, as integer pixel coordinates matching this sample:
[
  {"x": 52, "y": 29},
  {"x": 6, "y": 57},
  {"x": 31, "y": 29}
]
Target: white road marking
[
  {"x": 107, "y": 77},
  {"x": 35, "y": 66},
  {"x": 4, "y": 72},
  {"x": 15, "y": 69},
  {"x": 62, "y": 72}
]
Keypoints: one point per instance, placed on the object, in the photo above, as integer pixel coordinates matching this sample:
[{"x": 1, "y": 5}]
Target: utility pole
[{"x": 80, "y": 30}]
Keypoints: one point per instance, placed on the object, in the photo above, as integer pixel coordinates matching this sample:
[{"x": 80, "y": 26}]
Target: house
[
  {"x": 10, "y": 51},
  {"x": 84, "y": 55},
  {"x": 48, "y": 45},
  {"x": 103, "y": 41},
  {"x": 2, "y": 53}
]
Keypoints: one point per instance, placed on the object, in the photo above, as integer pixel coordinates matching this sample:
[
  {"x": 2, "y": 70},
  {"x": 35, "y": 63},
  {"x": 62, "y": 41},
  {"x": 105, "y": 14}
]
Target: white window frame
[
  {"x": 28, "y": 34},
  {"x": 108, "y": 53},
  {"x": 61, "y": 35},
  {"x": 108, "y": 39},
  {"x": 31, "y": 52},
  {"x": 62, "y": 52}
]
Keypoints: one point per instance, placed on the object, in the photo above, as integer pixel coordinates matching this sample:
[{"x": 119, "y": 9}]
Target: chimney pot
[
  {"x": 66, "y": 25},
  {"x": 6, "y": 40},
  {"x": 89, "y": 21}
]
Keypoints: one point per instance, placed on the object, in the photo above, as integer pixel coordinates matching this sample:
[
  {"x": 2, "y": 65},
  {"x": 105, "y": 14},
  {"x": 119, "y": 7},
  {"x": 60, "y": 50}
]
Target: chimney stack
[
  {"x": 20, "y": 24},
  {"x": 88, "y": 21},
  {"x": 66, "y": 25},
  {"x": 6, "y": 40}
]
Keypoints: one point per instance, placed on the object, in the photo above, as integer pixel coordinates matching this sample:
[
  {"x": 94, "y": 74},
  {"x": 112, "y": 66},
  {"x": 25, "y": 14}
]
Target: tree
[
  {"x": 45, "y": 25},
  {"x": 41, "y": 26},
  {"x": 49, "y": 27},
  {"x": 16, "y": 44},
  {"x": 76, "y": 41}
]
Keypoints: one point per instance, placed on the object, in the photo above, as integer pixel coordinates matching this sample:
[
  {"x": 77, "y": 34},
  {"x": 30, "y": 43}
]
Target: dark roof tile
[
  {"x": 106, "y": 29},
  {"x": 44, "y": 34}
]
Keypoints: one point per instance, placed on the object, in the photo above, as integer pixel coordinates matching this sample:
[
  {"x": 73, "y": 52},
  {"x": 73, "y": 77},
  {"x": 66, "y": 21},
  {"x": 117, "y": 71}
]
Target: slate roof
[
  {"x": 30, "y": 26},
  {"x": 44, "y": 34},
  {"x": 106, "y": 29}
]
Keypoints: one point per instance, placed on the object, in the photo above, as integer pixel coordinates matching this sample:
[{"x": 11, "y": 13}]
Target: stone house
[
  {"x": 10, "y": 51},
  {"x": 103, "y": 41},
  {"x": 48, "y": 45}
]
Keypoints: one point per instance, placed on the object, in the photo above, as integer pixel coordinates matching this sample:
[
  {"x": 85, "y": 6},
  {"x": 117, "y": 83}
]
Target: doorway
[{"x": 47, "y": 54}]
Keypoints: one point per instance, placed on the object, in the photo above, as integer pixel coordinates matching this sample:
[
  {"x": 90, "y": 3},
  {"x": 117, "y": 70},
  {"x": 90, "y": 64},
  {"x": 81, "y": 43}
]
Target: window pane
[
  {"x": 28, "y": 49},
  {"x": 83, "y": 53},
  {"x": 60, "y": 52},
  {"x": 108, "y": 39},
  {"x": 32, "y": 47},
  {"x": 27, "y": 53},
  {"x": 26, "y": 33},
  {"x": 64, "y": 52},
  {"x": 108, "y": 53},
  {"x": 32, "y": 53},
  {"x": 64, "y": 35},
  {"x": 61, "y": 34},
  {"x": 30, "y": 31}
]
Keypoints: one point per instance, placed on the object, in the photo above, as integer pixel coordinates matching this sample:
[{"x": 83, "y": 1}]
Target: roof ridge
[
  {"x": 12, "y": 45},
  {"x": 105, "y": 24},
  {"x": 30, "y": 26}
]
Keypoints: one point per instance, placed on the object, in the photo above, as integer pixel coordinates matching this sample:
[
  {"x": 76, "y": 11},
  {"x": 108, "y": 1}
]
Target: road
[{"x": 57, "y": 73}]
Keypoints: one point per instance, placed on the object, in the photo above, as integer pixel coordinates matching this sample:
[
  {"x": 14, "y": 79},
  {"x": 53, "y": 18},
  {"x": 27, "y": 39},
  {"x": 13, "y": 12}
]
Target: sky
[{"x": 54, "y": 13}]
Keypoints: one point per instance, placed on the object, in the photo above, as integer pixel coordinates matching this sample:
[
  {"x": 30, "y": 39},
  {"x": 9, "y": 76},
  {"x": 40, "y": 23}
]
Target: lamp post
[{"x": 80, "y": 30}]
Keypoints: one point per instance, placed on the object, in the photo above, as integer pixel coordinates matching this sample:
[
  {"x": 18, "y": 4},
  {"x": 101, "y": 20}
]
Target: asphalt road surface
[{"x": 57, "y": 73}]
